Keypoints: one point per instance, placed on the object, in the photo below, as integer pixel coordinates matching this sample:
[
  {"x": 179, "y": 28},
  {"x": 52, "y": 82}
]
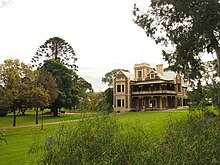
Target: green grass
[
  {"x": 20, "y": 139},
  {"x": 155, "y": 121},
  {"x": 30, "y": 119}
]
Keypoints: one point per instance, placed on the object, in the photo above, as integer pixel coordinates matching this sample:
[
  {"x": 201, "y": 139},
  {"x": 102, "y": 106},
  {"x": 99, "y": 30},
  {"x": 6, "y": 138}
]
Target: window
[
  {"x": 118, "y": 88},
  {"x": 179, "y": 87},
  {"x": 139, "y": 74},
  {"x": 123, "y": 102},
  {"x": 118, "y": 102},
  {"x": 152, "y": 76},
  {"x": 123, "y": 88}
]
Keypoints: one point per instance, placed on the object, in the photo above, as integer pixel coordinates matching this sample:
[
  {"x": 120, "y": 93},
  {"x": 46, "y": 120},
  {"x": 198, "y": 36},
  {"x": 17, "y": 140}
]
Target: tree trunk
[
  {"x": 56, "y": 51},
  {"x": 215, "y": 46},
  {"x": 37, "y": 116},
  {"x": 23, "y": 111},
  {"x": 14, "y": 119},
  {"x": 55, "y": 110}
]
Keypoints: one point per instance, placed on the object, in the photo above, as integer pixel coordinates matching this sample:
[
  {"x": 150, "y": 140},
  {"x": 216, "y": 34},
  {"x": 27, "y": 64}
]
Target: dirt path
[{"x": 35, "y": 125}]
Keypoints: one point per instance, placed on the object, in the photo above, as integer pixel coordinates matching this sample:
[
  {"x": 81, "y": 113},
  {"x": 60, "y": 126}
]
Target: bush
[
  {"x": 3, "y": 112},
  {"x": 96, "y": 141},
  {"x": 195, "y": 141},
  {"x": 104, "y": 140}
]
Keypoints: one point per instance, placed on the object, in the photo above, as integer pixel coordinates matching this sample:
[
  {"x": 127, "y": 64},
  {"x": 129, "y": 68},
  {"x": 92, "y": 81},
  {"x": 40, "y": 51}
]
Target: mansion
[{"x": 149, "y": 89}]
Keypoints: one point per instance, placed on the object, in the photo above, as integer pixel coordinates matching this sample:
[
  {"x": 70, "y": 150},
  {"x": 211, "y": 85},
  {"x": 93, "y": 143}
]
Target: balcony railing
[{"x": 153, "y": 92}]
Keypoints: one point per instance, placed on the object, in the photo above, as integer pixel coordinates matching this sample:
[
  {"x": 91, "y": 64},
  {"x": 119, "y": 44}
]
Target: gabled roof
[{"x": 127, "y": 74}]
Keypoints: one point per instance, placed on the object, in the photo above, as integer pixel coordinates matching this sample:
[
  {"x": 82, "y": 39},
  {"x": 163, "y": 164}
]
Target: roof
[
  {"x": 169, "y": 75},
  {"x": 128, "y": 74},
  {"x": 150, "y": 82}
]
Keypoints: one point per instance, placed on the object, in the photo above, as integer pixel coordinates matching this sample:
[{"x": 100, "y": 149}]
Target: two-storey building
[{"x": 149, "y": 89}]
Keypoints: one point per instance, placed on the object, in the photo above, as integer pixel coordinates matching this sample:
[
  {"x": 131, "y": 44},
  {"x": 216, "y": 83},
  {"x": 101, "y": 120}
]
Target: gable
[{"x": 121, "y": 75}]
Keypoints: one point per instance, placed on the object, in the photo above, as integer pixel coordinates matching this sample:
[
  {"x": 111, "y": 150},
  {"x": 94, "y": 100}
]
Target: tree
[
  {"x": 38, "y": 97},
  {"x": 109, "y": 99},
  {"x": 108, "y": 79},
  {"x": 48, "y": 82},
  {"x": 66, "y": 80},
  {"x": 18, "y": 87},
  {"x": 84, "y": 88},
  {"x": 212, "y": 87},
  {"x": 55, "y": 48},
  {"x": 191, "y": 27}
]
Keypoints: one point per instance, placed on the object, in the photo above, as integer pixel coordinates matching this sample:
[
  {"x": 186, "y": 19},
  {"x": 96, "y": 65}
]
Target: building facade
[{"x": 149, "y": 89}]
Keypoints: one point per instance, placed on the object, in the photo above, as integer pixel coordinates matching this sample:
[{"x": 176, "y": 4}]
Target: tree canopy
[
  {"x": 66, "y": 80},
  {"x": 186, "y": 28},
  {"x": 19, "y": 89},
  {"x": 58, "y": 49}
]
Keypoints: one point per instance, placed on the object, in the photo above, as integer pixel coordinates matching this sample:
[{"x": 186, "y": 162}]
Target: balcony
[{"x": 153, "y": 92}]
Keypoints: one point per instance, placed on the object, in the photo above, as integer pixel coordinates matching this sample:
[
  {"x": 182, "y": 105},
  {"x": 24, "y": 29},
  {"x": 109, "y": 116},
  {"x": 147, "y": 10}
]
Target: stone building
[{"x": 149, "y": 89}]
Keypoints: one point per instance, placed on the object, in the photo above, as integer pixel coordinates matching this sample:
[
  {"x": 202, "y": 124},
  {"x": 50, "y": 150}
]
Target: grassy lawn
[
  {"x": 20, "y": 139},
  {"x": 153, "y": 122},
  {"x": 30, "y": 119},
  {"x": 18, "y": 144}
]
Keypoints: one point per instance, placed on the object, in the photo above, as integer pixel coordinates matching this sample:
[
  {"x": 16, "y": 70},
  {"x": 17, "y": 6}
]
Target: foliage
[
  {"x": 212, "y": 93},
  {"x": 99, "y": 141},
  {"x": 84, "y": 85},
  {"x": 187, "y": 29},
  {"x": 154, "y": 122},
  {"x": 212, "y": 87},
  {"x": 2, "y": 137},
  {"x": 3, "y": 111},
  {"x": 55, "y": 48},
  {"x": 205, "y": 90},
  {"x": 109, "y": 98},
  {"x": 48, "y": 82},
  {"x": 85, "y": 88},
  {"x": 19, "y": 90},
  {"x": 195, "y": 141},
  {"x": 108, "y": 79},
  {"x": 92, "y": 103},
  {"x": 66, "y": 80},
  {"x": 100, "y": 101},
  {"x": 106, "y": 141}
]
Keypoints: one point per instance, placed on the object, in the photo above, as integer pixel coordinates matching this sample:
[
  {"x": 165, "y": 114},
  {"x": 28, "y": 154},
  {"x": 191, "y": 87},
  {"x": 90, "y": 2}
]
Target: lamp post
[{"x": 42, "y": 120}]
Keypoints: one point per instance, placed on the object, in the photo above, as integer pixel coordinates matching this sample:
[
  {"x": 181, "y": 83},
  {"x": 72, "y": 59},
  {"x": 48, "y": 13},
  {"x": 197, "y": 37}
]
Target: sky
[{"x": 101, "y": 32}]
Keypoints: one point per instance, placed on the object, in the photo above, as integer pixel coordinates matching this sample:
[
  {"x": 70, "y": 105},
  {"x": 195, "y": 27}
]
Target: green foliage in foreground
[
  {"x": 100, "y": 141},
  {"x": 195, "y": 140},
  {"x": 19, "y": 138}
]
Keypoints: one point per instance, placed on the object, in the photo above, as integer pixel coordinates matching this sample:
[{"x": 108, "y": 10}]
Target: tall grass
[
  {"x": 195, "y": 140},
  {"x": 100, "y": 141}
]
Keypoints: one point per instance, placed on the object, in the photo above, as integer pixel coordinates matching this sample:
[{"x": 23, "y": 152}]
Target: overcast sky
[{"x": 101, "y": 32}]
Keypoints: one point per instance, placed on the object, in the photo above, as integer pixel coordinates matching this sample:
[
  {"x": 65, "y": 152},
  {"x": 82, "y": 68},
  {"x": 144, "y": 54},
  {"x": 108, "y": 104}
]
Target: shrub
[
  {"x": 195, "y": 141},
  {"x": 96, "y": 141},
  {"x": 103, "y": 140},
  {"x": 2, "y": 137},
  {"x": 3, "y": 112}
]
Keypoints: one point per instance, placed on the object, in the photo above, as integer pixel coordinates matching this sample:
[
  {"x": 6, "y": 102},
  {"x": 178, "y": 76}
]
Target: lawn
[
  {"x": 20, "y": 139},
  {"x": 30, "y": 119},
  {"x": 153, "y": 121}
]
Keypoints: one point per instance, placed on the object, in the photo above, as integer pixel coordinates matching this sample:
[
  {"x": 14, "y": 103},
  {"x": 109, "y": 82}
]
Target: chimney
[{"x": 159, "y": 68}]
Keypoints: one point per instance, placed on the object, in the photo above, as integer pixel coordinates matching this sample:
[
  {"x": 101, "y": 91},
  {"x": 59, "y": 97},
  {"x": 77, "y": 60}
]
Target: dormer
[{"x": 152, "y": 75}]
